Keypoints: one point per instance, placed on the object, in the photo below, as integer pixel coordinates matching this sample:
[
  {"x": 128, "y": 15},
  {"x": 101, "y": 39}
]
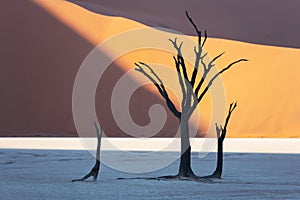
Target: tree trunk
[
  {"x": 95, "y": 170},
  {"x": 218, "y": 172},
  {"x": 185, "y": 169}
]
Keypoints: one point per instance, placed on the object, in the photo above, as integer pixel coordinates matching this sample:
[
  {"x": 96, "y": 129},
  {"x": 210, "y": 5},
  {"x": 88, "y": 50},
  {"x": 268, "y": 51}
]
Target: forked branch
[
  {"x": 224, "y": 130},
  {"x": 206, "y": 70},
  {"x": 180, "y": 58},
  {"x": 221, "y": 134},
  {"x": 216, "y": 76},
  {"x": 198, "y": 52}
]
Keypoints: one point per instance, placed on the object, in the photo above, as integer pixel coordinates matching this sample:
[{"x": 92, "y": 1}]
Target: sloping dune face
[{"x": 44, "y": 43}]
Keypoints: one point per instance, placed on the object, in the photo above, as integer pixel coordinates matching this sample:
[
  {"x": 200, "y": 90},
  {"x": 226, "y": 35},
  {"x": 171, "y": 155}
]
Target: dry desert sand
[{"x": 44, "y": 42}]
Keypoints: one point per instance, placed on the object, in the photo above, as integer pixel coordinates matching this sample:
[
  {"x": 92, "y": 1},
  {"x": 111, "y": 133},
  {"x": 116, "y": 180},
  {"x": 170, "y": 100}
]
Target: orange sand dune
[{"x": 44, "y": 44}]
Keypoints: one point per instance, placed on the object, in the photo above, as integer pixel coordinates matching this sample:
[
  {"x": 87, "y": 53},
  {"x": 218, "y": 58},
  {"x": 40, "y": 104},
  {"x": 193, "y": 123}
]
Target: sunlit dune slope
[{"x": 43, "y": 53}]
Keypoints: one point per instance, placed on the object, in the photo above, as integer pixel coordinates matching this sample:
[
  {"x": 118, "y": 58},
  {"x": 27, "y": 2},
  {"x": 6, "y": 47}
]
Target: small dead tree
[
  {"x": 95, "y": 170},
  {"x": 193, "y": 88},
  {"x": 221, "y": 134}
]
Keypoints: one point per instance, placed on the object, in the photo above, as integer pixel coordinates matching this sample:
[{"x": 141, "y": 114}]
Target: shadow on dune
[{"x": 269, "y": 22}]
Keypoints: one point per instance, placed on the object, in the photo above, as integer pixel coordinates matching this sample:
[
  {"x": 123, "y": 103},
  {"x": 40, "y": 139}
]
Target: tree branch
[
  {"x": 211, "y": 63},
  {"x": 140, "y": 69},
  {"x": 216, "y": 75},
  {"x": 197, "y": 52},
  {"x": 196, "y": 29},
  {"x": 160, "y": 87},
  {"x": 205, "y": 38},
  {"x": 231, "y": 109},
  {"x": 179, "y": 57},
  {"x": 206, "y": 70},
  {"x": 181, "y": 79},
  {"x": 218, "y": 130}
]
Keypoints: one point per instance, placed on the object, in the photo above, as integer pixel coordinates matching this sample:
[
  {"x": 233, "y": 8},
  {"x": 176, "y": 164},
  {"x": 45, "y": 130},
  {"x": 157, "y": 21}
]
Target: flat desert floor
[{"x": 47, "y": 174}]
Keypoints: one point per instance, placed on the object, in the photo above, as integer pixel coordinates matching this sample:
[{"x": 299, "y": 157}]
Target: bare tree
[
  {"x": 95, "y": 170},
  {"x": 193, "y": 90},
  {"x": 221, "y": 134}
]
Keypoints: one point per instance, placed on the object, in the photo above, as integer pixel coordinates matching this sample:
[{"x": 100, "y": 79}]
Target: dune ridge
[{"x": 268, "y": 22}]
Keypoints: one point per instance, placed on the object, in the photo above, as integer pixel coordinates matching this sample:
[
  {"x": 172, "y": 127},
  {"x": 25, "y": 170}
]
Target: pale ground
[
  {"x": 47, "y": 174},
  {"x": 247, "y": 145}
]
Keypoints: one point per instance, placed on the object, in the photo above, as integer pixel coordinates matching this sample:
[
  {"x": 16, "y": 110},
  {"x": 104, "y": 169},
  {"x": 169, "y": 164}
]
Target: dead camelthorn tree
[
  {"x": 193, "y": 87},
  {"x": 221, "y": 134},
  {"x": 95, "y": 170}
]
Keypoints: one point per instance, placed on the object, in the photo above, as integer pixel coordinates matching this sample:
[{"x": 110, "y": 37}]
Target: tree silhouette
[
  {"x": 193, "y": 88},
  {"x": 95, "y": 170},
  {"x": 221, "y": 134}
]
